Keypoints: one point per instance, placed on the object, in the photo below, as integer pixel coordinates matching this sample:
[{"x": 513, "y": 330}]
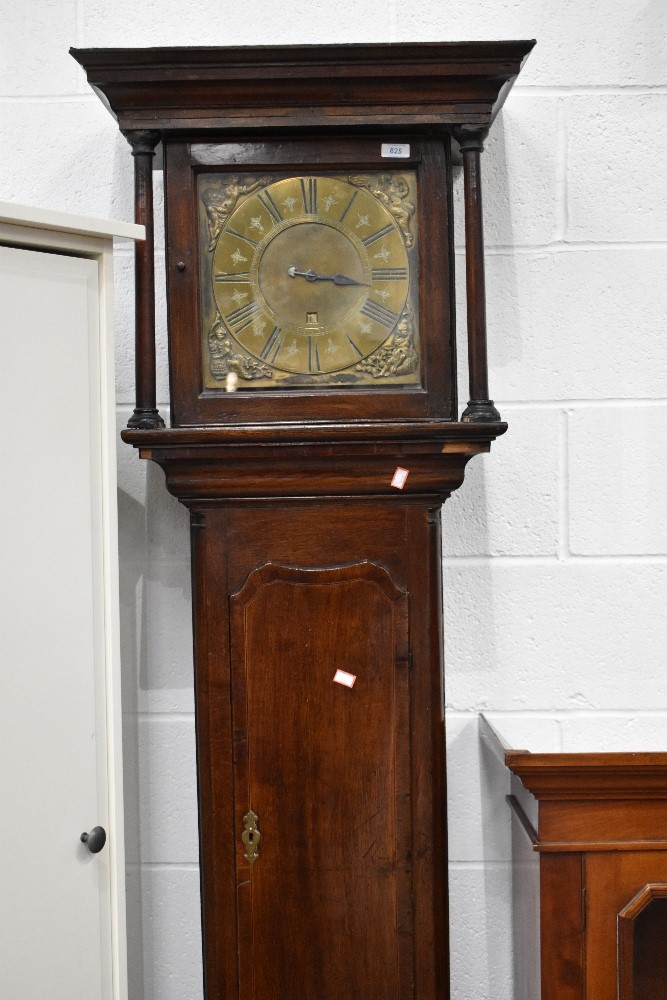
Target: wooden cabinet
[{"x": 597, "y": 822}]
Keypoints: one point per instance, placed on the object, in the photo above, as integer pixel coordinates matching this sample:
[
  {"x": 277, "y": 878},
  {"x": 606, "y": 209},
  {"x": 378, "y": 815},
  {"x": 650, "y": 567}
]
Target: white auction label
[
  {"x": 399, "y": 478},
  {"x": 342, "y": 677},
  {"x": 396, "y": 150}
]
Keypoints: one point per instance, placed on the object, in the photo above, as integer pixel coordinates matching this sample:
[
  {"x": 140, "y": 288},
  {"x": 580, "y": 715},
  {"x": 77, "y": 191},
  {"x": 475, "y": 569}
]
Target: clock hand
[
  {"x": 310, "y": 275},
  {"x": 342, "y": 279}
]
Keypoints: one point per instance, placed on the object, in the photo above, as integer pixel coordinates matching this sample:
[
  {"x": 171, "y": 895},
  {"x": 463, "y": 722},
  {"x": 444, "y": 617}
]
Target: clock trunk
[{"x": 346, "y": 895}]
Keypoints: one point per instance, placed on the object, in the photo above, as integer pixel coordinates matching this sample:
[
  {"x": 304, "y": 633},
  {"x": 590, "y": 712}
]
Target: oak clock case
[
  {"x": 308, "y": 284},
  {"x": 322, "y": 818}
]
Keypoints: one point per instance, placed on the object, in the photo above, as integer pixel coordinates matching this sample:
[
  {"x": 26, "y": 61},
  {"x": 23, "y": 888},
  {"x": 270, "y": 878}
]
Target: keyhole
[{"x": 250, "y": 837}]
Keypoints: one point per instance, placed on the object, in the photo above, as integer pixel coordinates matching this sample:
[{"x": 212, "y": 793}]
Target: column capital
[
  {"x": 143, "y": 141},
  {"x": 470, "y": 138}
]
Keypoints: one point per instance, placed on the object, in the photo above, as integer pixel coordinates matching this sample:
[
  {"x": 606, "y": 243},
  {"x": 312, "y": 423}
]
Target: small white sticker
[
  {"x": 342, "y": 677},
  {"x": 399, "y": 478},
  {"x": 232, "y": 382},
  {"x": 396, "y": 150}
]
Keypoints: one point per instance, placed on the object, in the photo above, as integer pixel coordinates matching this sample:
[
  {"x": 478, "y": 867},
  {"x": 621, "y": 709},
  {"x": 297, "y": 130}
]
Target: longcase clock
[{"x": 314, "y": 436}]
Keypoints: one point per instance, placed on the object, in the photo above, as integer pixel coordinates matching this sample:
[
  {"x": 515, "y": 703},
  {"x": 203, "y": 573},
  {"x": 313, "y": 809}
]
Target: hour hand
[
  {"x": 342, "y": 279},
  {"x": 310, "y": 275}
]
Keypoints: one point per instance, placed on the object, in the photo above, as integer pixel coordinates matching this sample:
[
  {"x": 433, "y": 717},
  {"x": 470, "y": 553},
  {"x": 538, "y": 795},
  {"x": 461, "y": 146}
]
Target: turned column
[
  {"x": 480, "y": 408},
  {"x": 146, "y": 415}
]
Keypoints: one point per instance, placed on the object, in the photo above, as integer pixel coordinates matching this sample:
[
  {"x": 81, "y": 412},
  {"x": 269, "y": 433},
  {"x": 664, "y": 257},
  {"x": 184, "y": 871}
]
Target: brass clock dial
[{"x": 309, "y": 280}]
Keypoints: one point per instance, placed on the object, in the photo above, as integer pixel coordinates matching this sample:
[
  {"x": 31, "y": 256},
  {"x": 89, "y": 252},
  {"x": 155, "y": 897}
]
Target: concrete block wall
[{"x": 555, "y": 549}]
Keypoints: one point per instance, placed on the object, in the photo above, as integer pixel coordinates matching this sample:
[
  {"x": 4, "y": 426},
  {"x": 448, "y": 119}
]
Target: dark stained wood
[
  {"x": 190, "y": 405},
  {"x": 451, "y": 152},
  {"x": 326, "y": 465},
  {"x": 349, "y": 889},
  {"x": 433, "y": 891},
  {"x": 251, "y": 108},
  {"x": 334, "y": 812},
  {"x": 449, "y": 437},
  {"x": 602, "y": 841},
  {"x": 233, "y": 540},
  {"x": 480, "y": 408},
  {"x": 306, "y": 559},
  {"x": 145, "y": 414},
  {"x": 305, "y": 87},
  {"x": 215, "y": 767}
]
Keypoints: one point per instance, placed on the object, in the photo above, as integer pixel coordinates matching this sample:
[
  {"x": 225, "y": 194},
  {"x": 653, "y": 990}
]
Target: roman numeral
[
  {"x": 349, "y": 206},
  {"x": 313, "y": 355},
  {"x": 270, "y": 206},
  {"x": 379, "y": 314},
  {"x": 309, "y": 195},
  {"x": 243, "y": 276},
  {"x": 354, "y": 346},
  {"x": 243, "y": 316},
  {"x": 378, "y": 236},
  {"x": 271, "y": 348},
  {"x": 389, "y": 273},
  {"x": 247, "y": 239}
]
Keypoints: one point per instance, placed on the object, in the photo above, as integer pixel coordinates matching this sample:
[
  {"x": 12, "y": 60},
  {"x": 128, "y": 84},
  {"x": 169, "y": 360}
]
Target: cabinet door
[
  {"x": 327, "y": 901},
  {"x": 55, "y": 635},
  {"x": 613, "y": 882}
]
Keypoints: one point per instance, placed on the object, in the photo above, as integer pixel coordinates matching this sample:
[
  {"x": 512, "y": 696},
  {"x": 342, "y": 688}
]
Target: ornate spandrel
[
  {"x": 392, "y": 191},
  {"x": 224, "y": 359},
  {"x": 397, "y": 356},
  {"x": 221, "y": 202}
]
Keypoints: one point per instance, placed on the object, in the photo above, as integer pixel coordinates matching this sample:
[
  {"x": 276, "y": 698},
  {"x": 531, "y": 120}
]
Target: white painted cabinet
[{"x": 62, "y": 909}]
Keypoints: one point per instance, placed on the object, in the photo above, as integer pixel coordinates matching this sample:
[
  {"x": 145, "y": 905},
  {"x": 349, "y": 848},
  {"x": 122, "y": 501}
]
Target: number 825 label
[{"x": 396, "y": 150}]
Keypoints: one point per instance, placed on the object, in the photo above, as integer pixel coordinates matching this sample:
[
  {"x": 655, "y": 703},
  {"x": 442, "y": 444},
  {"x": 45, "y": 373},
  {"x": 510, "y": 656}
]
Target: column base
[
  {"x": 146, "y": 419},
  {"x": 480, "y": 411}
]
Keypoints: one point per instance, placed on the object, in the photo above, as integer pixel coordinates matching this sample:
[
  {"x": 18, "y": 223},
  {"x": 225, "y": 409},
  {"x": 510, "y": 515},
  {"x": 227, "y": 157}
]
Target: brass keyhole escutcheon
[{"x": 251, "y": 837}]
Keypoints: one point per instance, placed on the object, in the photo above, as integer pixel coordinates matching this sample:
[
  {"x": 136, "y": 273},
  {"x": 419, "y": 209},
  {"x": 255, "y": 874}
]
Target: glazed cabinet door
[{"x": 626, "y": 922}]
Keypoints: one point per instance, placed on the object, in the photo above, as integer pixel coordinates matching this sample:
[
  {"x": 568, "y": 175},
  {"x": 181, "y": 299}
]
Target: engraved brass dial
[{"x": 311, "y": 280}]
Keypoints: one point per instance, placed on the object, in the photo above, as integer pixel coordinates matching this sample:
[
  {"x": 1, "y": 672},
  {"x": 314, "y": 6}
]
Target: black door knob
[{"x": 95, "y": 840}]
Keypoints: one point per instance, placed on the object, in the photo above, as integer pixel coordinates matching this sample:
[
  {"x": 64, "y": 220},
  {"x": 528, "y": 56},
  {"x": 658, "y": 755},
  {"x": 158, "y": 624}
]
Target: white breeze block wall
[{"x": 555, "y": 551}]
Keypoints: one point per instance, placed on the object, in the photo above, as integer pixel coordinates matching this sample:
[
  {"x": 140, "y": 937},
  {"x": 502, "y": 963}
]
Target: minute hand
[{"x": 310, "y": 275}]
